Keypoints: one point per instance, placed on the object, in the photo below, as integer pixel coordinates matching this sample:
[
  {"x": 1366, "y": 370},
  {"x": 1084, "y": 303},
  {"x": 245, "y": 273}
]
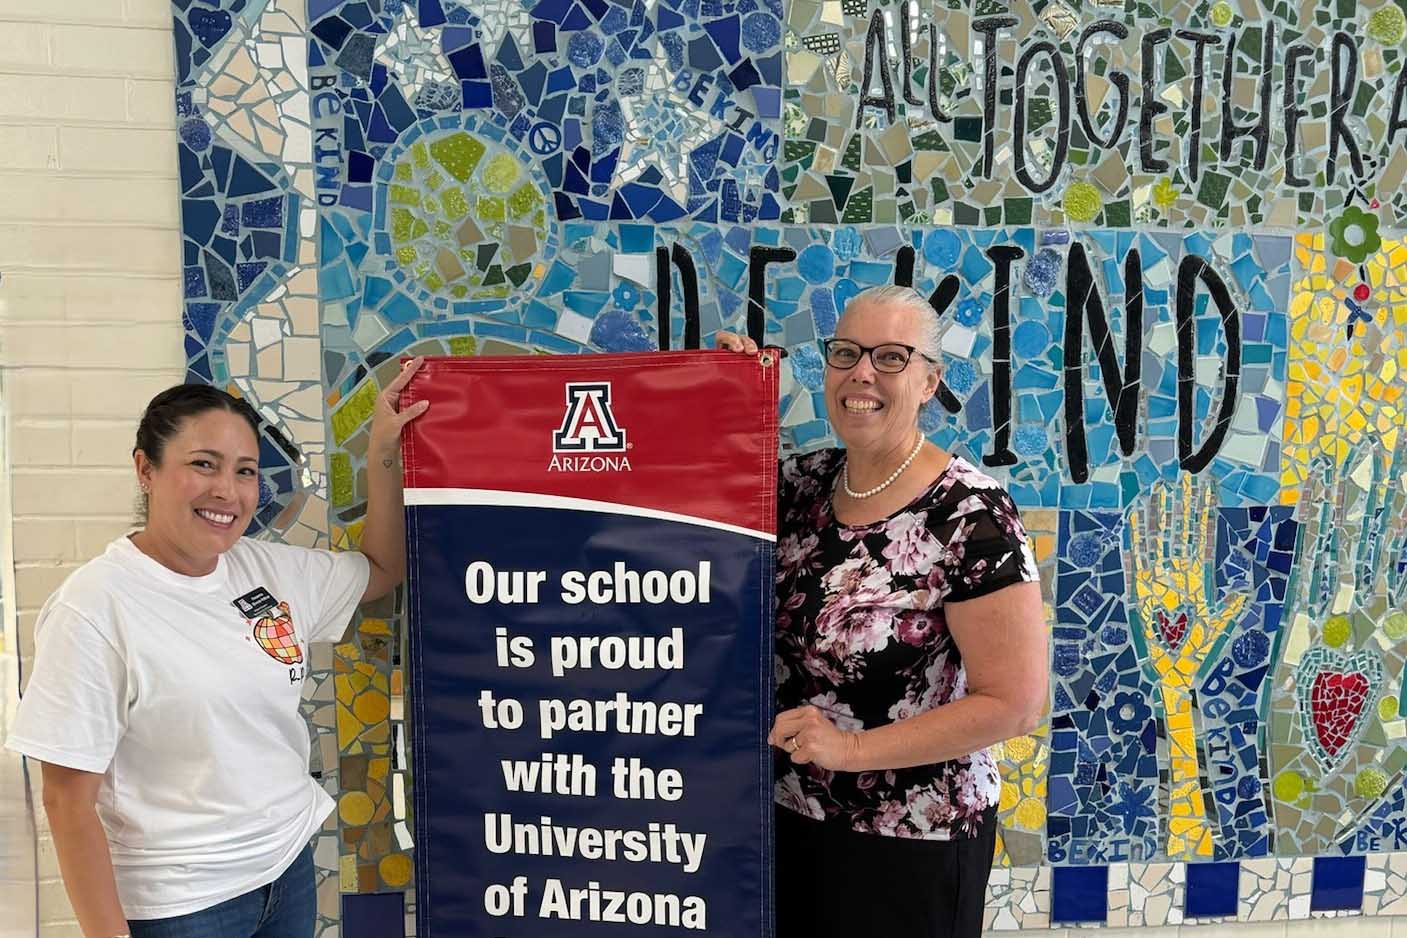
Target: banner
[{"x": 590, "y": 548}]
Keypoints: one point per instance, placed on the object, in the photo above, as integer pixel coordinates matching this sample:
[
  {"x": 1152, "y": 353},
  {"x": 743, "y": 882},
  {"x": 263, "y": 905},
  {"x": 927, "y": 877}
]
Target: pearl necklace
[{"x": 845, "y": 474}]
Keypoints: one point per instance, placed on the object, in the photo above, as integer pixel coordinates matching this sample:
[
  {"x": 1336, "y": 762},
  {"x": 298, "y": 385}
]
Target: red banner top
[{"x": 692, "y": 434}]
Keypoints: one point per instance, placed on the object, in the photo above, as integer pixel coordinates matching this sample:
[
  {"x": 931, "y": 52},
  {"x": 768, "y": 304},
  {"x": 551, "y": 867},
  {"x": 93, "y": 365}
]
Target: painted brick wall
[{"x": 90, "y": 296}]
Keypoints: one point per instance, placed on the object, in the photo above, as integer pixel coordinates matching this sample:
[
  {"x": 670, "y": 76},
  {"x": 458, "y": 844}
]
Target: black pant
[{"x": 835, "y": 883}]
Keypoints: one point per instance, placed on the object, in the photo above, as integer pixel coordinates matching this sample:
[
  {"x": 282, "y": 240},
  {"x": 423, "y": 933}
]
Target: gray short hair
[{"x": 931, "y": 328}]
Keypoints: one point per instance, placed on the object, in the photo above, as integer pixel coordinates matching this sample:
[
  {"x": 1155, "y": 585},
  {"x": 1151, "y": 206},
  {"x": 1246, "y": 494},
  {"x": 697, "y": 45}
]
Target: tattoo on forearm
[{"x": 388, "y": 463}]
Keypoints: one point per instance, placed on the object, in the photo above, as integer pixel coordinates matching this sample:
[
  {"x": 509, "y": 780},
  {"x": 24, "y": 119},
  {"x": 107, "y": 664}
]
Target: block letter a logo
[{"x": 589, "y": 426}]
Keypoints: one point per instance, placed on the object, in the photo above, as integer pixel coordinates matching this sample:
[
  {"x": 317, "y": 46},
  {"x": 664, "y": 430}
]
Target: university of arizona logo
[{"x": 588, "y": 429}]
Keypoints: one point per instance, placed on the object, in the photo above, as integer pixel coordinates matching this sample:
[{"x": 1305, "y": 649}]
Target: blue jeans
[{"x": 285, "y": 908}]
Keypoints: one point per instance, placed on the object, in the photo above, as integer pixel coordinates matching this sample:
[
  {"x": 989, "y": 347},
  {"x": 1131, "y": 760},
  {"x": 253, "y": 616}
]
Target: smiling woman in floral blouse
[{"x": 910, "y": 637}]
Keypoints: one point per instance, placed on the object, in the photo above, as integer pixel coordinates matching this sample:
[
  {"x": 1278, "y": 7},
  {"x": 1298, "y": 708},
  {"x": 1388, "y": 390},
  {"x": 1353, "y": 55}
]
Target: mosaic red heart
[
  {"x": 1336, "y": 704},
  {"x": 1173, "y": 629},
  {"x": 1335, "y": 693}
]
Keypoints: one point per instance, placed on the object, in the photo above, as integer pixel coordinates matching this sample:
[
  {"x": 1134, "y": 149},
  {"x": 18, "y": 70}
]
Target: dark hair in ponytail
[{"x": 163, "y": 416}]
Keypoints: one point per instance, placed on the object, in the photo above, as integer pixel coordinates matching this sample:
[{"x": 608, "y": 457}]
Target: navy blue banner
[{"x": 591, "y": 688}]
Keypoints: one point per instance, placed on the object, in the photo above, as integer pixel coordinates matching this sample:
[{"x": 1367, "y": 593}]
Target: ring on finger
[{"x": 793, "y": 744}]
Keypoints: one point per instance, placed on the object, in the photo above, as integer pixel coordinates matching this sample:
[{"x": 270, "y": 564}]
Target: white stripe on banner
[{"x": 433, "y": 496}]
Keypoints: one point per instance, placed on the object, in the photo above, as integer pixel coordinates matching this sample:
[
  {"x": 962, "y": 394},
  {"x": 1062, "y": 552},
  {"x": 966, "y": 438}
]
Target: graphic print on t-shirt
[
  {"x": 274, "y": 629},
  {"x": 275, "y": 635}
]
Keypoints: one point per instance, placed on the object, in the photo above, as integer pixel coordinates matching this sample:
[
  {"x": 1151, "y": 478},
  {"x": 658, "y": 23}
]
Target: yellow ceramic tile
[
  {"x": 1030, "y": 814},
  {"x": 347, "y": 728},
  {"x": 396, "y": 870},
  {"x": 371, "y": 707},
  {"x": 379, "y": 769},
  {"x": 356, "y": 808},
  {"x": 375, "y": 626},
  {"x": 347, "y": 873}
]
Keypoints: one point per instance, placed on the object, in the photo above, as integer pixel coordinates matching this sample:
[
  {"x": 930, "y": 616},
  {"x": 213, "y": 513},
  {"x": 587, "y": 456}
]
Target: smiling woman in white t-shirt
[{"x": 168, "y": 672}]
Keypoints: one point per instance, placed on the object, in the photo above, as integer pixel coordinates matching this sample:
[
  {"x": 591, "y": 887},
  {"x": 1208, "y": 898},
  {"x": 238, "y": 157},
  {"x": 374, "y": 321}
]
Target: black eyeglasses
[{"x": 890, "y": 358}]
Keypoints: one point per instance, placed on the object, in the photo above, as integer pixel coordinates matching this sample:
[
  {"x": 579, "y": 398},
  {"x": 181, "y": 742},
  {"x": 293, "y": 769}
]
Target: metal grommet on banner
[{"x": 770, "y": 355}]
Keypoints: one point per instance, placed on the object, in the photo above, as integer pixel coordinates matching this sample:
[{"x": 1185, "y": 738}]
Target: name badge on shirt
[{"x": 255, "y": 603}]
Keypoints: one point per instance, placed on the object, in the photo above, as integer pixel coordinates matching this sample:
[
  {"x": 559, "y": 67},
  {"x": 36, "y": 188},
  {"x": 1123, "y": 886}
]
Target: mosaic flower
[
  {"x": 1131, "y": 805},
  {"x": 1250, "y": 649},
  {"x": 1354, "y": 234},
  {"x": 1129, "y": 713},
  {"x": 969, "y": 312},
  {"x": 1288, "y": 786},
  {"x": 760, "y": 32},
  {"x": 1387, "y": 24},
  {"x": 626, "y": 296},
  {"x": 1082, "y": 201},
  {"x": 1085, "y": 548},
  {"x": 1337, "y": 630},
  {"x": 1020, "y": 748},
  {"x": 1043, "y": 272},
  {"x": 1030, "y": 814},
  {"x": 1165, "y": 194},
  {"x": 1370, "y": 783}
]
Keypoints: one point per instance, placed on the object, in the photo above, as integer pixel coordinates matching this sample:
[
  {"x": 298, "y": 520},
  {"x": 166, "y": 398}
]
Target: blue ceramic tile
[
  {"x": 1079, "y": 894},
  {"x": 1338, "y": 884},
  {"x": 1212, "y": 889}
]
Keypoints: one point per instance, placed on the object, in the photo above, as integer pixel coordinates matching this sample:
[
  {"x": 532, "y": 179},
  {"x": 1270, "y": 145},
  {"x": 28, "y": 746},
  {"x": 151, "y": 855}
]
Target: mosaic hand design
[
  {"x": 1338, "y": 730},
  {"x": 1172, "y": 540}
]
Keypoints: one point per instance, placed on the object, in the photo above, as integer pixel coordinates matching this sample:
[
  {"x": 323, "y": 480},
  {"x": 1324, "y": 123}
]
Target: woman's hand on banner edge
[
  {"x": 808, "y": 736},
  {"x": 388, "y": 420},
  {"x": 732, "y": 342}
]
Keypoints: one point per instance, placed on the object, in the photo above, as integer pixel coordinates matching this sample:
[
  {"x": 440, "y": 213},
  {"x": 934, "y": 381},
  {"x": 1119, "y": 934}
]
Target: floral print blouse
[{"x": 861, "y": 635}]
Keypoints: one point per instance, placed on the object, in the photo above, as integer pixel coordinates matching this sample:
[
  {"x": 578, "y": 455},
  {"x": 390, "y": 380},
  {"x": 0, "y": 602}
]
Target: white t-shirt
[{"x": 184, "y": 692}]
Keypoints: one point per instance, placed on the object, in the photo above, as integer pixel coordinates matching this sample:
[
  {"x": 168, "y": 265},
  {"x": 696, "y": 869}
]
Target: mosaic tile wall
[{"x": 1167, "y": 236}]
